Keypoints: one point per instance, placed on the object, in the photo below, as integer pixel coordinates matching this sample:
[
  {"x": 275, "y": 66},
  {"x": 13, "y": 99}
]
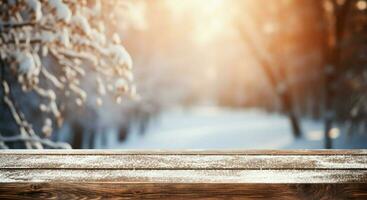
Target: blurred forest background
[{"x": 224, "y": 74}]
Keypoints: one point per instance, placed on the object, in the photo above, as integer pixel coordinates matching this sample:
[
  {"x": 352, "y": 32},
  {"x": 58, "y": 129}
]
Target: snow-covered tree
[{"x": 47, "y": 48}]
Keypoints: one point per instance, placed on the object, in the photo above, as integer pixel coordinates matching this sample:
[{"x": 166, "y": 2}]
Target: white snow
[
  {"x": 36, "y": 7},
  {"x": 64, "y": 37},
  {"x": 82, "y": 23},
  {"x": 99, "y": 37},
  {"x": 26, "y": 64},
  {"x": 47, "y": 36},
  {"x": 96, "y": 10},
  {"x": 183, "y": 176},
  {"x": 63, "y": 12},
  {"x": 219, "y": 128},
  {"x": 121, "y": 85},
  {"x": 54, "y": 3},
  {"x": 129, "y": 76},
  {"x": 119, "y": 53}
]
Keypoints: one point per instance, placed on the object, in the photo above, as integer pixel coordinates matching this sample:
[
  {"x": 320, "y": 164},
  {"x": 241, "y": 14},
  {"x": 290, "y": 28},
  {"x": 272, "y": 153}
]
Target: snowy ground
[{"x": 218, "y": 128}]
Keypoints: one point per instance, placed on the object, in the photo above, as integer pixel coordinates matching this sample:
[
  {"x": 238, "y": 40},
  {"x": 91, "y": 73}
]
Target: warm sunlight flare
[{"x": 211, "y": 18}]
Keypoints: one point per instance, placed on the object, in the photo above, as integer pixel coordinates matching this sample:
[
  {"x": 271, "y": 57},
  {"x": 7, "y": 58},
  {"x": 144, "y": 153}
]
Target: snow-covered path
[{"x": 218, "y": 128}]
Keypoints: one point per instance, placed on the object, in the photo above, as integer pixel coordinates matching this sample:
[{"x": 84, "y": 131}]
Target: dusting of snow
[
  {"x": 121, "y": 85},
  {"x": 54, "y": 3},
  {"x": 64, "y": 37},
  {"x": 119, "y": 53},
  {"x": 97, "y": 7},
  {"x": 63, "y": 12},
  {"x": 186, "y": 161},
  {"x": 26, "y": 64},
  {"x": 100, "y": 38},
  {"x": 129, "y": 76},
  {"x": 47, "y": 36},
  {"x": 37, "y": 63},
  {"x": 343, "y": 161},
  {"x": 36, "y": 7},
  {"x": 184, "y": 176},
  {"x": 82, "y": 23}
]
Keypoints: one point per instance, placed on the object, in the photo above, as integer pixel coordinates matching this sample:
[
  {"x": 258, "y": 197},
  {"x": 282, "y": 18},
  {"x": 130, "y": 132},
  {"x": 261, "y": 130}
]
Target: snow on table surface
[
  {"x": 282, "y": 166},
  {"x": 220, "y": 128}
]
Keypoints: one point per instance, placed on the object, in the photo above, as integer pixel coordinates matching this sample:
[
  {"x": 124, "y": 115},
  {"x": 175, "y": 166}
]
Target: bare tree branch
[{"x": 34, "y": 139}]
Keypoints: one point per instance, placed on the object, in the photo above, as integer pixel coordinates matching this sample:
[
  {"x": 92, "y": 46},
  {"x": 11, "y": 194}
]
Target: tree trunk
[
  {"x": 327, "y": 138},
  {"x": 77, "y": 135},
  {"x": 296, "y": 129},
  {"x": 284, "y": 96}
]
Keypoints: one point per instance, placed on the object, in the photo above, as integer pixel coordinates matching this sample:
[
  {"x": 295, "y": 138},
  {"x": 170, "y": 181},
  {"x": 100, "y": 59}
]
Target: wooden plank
[
  {"x": 186, "y": 152},
  {"x": 70, "y": 191},
  {"x": 199, "y": 161},
  {"x": 184, "y": 176},
  {"x": 100, "y": 174}
]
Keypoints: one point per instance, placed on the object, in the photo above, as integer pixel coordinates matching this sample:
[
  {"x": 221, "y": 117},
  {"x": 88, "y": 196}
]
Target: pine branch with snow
[{"x": 73, "y": 33}]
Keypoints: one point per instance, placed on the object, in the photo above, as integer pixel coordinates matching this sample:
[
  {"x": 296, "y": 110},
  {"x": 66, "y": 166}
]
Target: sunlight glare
[{"x": 211, "y": 17}]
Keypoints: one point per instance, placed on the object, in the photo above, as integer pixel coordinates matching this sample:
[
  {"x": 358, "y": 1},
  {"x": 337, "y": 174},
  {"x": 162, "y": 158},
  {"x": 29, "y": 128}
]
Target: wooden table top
[{"x": 188, "y": 173}]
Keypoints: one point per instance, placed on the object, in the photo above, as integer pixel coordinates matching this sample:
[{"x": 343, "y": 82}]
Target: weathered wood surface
[{"x": 100, "y": 174}]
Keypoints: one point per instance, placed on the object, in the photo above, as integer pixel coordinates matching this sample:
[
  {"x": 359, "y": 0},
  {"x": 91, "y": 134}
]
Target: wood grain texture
[
  {"x": 181, "y": 191},
  {"x": 126, "y": 161},
  {"x": 94, "y": 174}
]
